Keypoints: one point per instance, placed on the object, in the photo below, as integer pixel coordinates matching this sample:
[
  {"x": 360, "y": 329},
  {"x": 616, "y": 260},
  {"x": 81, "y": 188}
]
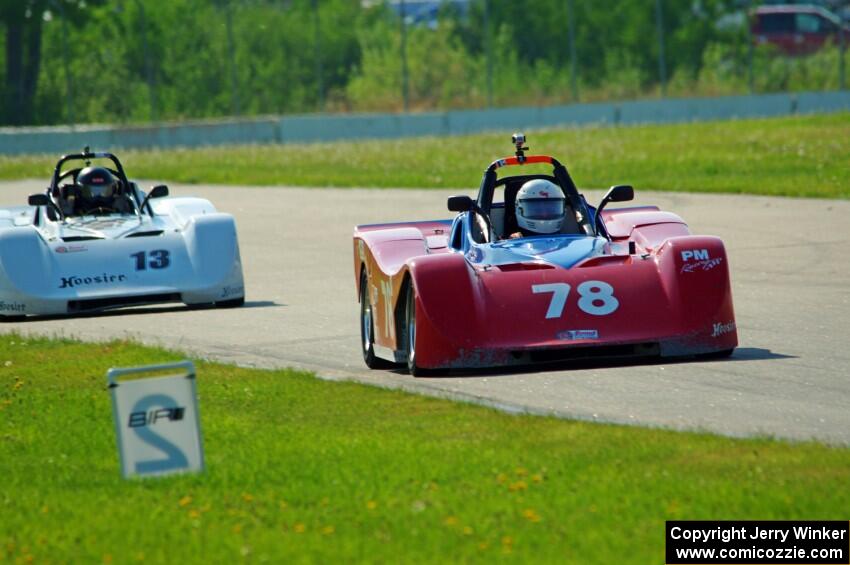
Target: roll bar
[
  {"x": 88, "y": 155},
  {"x": 562, "y": 176}
]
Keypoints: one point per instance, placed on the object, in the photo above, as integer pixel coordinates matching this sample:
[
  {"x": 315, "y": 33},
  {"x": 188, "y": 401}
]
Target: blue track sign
[{"x": 156, "y": 419}]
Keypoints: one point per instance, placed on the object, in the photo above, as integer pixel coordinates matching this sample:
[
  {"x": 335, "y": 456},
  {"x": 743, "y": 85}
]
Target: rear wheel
[
  {"x": 234, "y": 303},
  {"x": 367, "y": 329},
  {"x": 723, "y": 354}
]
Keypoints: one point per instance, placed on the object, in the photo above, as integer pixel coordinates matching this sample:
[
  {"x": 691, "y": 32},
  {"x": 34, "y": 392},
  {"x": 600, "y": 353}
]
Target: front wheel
[
  {"x": 9, "y": 319},
  {"x": 409, "y": 332}
]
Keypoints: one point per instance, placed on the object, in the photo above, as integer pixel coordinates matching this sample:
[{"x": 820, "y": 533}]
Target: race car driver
[
  {"x": 96, "y": 192},
  {"x": 539, "y": 209}
]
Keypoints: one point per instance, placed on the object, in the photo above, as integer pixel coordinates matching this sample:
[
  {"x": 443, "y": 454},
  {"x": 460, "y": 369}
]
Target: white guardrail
[{"x": 331, "y": 127}]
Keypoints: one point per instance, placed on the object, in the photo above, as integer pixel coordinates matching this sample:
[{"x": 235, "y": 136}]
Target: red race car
[{"x": 530, "y": 272}]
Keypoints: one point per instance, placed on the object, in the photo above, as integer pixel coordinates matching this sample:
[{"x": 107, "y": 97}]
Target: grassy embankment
[
  {"x": 794, "y": 156},
  {"x": 305, "y": 470}
]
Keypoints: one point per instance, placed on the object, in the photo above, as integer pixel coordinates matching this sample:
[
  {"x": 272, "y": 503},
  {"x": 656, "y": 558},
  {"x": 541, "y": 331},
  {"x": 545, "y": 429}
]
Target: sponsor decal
[
  {"x": 389, "y": 321},
  {"x": 475, "y": 255},
  {"x": 578, "y": 334},
  {"x": 695, "y": 254},
  {"x": 12, "y": 306},
  {"x": 706, "y": 265},
  {"x": 361, "y": 250},
  {"x": 73, "y": 281},
  {"x": 720, "y": 329},
  {"x": 71, "y": 249},
  {"x": 232, "y": 291},
  {"x": 698, "y": 260}
]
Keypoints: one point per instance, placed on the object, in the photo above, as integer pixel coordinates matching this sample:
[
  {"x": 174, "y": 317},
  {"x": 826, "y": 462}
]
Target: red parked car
[{"x": 797, "y": 29}]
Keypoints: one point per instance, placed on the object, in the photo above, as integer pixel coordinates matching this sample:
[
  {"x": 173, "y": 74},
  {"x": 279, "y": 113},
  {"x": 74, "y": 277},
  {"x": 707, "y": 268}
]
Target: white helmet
[{"x": 540, "y": 207}]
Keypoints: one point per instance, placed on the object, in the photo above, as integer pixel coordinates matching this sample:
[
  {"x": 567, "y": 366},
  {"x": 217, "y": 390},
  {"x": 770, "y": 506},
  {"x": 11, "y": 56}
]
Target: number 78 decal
[{"x": 595, "y": 297}]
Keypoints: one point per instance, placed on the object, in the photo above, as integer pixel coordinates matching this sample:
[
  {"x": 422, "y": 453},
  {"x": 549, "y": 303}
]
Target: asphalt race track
[{"x": 790, "y": 377}]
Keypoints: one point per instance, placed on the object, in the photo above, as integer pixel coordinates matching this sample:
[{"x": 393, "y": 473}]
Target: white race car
[{"x": 95, "y": 241}]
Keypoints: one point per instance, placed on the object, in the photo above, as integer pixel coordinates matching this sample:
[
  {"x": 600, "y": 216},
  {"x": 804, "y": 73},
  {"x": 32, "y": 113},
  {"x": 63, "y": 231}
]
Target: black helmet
[{"x": 96, "y": 183}]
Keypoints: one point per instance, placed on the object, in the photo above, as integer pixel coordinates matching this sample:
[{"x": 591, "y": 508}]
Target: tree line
[{"x": 96, "y": 61}]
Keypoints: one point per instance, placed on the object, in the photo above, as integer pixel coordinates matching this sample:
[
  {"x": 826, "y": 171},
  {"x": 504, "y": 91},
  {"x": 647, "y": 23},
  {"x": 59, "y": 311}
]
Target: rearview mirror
[
  {"x": 618, "y": 193},
  {"x": 158, "y": 191},
  {"x": 460, "y": 204},
  {"x": 38, "y": 200}
]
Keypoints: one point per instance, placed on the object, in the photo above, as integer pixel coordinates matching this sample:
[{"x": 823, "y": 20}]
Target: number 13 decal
[
  {"x": 157, "y": 259},
  {"x": 595, "y": 297}
]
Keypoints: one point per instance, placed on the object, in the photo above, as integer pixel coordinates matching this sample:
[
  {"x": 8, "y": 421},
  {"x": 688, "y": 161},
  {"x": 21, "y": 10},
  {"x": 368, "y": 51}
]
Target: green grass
[
  {"x": 301, "y": 469},
  {"x": 792, "y": 156}
]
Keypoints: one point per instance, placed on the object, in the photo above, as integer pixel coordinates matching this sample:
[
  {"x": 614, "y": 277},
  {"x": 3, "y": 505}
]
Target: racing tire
[
  {"x": 409, "y": 333},
  {"x": 367, "y": 329},
  {"x": 722, "y": 354},
  {"x": 234, "y": 303},
  {"x": 10, "y": 319}
]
